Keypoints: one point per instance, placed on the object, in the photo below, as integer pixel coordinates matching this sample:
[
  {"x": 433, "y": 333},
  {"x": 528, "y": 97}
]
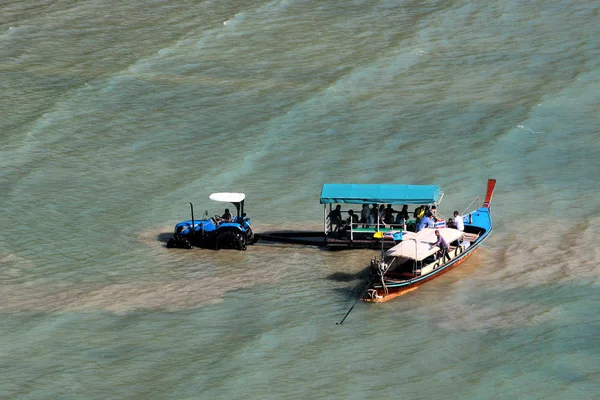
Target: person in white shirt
[{"x": 458, "y": 221}]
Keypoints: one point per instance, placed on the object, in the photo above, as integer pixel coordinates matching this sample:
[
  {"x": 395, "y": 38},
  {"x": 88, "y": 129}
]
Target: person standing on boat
[
  {"x": 442, "y": 244},
  {"x": 425, "y": 222},
  {"x": 459, "y": 222}
]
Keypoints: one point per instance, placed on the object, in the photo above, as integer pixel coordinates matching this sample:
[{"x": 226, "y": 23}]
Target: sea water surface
[{"x": 115, "y": 115}]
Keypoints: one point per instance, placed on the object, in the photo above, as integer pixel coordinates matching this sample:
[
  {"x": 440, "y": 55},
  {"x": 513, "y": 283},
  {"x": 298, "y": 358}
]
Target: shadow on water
[
  {"x": 266, "y": 243},
  {"x": 351, "y": 292},
  {"x": 347, "y": 277},
  {"x": 164, "y": 236},
  {"x": 354, "y": 291}
]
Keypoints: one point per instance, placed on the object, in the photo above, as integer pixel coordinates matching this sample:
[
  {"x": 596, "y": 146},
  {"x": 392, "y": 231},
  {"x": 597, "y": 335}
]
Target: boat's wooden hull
[{"x": 393, "y": 292}]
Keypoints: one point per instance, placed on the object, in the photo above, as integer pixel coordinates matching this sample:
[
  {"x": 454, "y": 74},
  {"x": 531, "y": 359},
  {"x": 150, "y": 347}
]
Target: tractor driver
[{"x": 226, "y": 217}]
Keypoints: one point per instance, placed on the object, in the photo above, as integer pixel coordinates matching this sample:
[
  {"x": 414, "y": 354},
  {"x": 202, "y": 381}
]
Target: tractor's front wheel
[
  {"x": 249, "y": 236},
  {"x": 231, "y": 240}
]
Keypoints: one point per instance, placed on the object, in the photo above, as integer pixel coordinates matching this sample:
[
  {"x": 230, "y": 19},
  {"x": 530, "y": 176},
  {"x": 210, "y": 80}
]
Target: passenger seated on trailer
[
  {"x": 335, "y": 217},
  {"x": 226, "y": 217},
  {"x": 434, "y": 214},
  {"x": 352, "y": 218},
  {"x": 425, "y": 222},
  {"x": 388, "y": 214},
  {"x": 364, "y": 214},
  {"x": 419, "y": 213},
  {"x": 416, "y": 212},
  {"x": 402, "y": 216},
  {"x": 443, "y": 245},
  {"x": 381, "y": 213},
  {"x": 374, "y": 215},
  {"x": 450, "y": 223}
]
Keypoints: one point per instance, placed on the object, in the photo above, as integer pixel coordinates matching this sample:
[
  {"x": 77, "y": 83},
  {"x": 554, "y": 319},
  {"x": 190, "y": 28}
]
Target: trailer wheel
[{"x": 231, "y": 240}]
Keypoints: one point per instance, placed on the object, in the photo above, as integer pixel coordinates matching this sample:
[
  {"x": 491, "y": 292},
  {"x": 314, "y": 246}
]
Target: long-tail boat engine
[{"x": 378, "y": 267}]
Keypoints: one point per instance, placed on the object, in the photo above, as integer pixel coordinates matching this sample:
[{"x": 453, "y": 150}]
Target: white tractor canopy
[{"x": 227, "y": 197}]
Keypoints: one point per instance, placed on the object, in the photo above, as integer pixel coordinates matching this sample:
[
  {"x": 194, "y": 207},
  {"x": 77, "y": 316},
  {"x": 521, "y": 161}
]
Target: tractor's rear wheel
[{"x": 231, "y": 240}]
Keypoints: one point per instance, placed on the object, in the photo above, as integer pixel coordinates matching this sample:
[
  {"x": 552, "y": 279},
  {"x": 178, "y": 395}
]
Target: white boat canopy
[
  {"x": 227, "y": 197},
  {"x": 418, "y": 246}
]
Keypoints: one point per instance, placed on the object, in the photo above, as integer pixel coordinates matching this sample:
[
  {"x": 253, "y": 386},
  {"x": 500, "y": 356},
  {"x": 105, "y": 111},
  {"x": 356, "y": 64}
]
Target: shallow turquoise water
[{"x": 115, "y": 116}]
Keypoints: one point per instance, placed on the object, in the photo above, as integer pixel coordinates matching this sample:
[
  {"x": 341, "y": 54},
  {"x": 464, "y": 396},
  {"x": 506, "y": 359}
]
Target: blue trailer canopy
[{"x": 374, "y": 193}]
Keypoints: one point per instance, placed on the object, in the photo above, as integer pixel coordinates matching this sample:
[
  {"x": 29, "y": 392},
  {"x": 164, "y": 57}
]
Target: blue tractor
[{"x": 232, "y": 232}]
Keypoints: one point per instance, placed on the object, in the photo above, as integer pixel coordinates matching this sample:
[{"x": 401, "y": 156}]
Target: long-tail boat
[{"x": 416, "y": 260}]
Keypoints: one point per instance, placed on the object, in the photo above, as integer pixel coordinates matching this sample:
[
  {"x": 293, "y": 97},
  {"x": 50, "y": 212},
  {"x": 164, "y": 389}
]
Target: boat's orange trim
[{"x": 392, "y": 295}]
